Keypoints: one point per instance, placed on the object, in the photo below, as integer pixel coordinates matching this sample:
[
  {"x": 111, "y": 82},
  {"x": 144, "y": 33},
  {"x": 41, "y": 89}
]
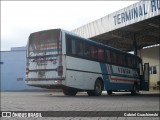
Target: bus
[{"x": 58, "y": 59}]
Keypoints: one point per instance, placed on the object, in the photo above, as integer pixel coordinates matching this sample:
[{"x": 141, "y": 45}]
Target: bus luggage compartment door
[{"x": 145, "y": 79}]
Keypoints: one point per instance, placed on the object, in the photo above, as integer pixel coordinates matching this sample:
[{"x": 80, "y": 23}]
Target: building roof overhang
[{"x": 139, "y": 22}]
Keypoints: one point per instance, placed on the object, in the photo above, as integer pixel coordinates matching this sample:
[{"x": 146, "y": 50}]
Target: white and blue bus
[{"x": 58, "y": 59}]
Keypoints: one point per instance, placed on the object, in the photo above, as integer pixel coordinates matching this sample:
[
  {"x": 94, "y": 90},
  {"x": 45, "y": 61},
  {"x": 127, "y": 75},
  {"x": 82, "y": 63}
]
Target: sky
[{"x": 21, "y": 18}]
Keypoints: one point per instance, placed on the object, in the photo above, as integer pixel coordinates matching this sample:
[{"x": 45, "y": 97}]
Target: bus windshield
[{"x": 46, "y": 42}]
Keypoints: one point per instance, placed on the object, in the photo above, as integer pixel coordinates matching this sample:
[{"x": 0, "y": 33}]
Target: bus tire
[
  {"x": 109, "y": 92},
  {"x": 98, "y": 87},
  {"x": 134, "y": 91},
  {"x": 70, "y": 91},
  {"x": 90, "y": 92}
]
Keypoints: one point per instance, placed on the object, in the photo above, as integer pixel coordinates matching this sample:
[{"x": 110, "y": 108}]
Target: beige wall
[{"x": 152, "y": 56}]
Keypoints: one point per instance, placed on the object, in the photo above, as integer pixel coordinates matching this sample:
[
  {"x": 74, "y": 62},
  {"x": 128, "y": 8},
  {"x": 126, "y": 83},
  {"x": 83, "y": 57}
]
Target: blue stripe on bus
[
  {"x": 105, "y": 77},
  {"x": 120, "y": 75},
  {"x": 113, "y": 86}
]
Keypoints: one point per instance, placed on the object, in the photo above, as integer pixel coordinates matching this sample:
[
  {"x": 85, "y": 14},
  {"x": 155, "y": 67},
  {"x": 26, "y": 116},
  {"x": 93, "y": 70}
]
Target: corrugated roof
[{"x": 143, "y": 28}]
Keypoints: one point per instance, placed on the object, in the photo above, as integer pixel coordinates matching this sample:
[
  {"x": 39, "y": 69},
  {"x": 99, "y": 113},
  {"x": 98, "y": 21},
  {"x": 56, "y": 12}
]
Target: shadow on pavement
[{"x": 105, "y": 95}]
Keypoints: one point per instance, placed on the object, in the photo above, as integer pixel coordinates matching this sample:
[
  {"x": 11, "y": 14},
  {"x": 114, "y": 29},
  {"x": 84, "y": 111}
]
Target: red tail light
[
  {"x": 27, "y": 71},
  {"x": 60, "y": 70}
]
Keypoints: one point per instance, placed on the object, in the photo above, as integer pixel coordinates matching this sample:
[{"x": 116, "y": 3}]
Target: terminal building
[
  {"x": 152, "y": 56},
  {"x": 133, "y": 28},
  {"x": 12, "y": 66}
]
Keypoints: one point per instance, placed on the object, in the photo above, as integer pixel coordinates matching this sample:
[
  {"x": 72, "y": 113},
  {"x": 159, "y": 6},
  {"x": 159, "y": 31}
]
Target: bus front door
[{"x": 145, "y": 79}]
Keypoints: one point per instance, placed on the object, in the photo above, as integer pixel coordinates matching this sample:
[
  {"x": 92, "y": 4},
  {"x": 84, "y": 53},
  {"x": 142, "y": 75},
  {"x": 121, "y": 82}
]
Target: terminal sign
[{"x": 136, "y": 12}]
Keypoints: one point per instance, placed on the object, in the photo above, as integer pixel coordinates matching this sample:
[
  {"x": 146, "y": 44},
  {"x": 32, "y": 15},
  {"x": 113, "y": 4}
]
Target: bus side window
[
  {"x": 107, "y": 56},
  {"x": 94, "y": 52},
  {"x": 87, "y": 50},
  {"x": 114, "y": 58},
  {"x": 79, "y": 48},
  {"x": 119, "y": 59},
  {"x": 129, "y": 61},
  {"x": 123, "y": 60},
  {"x": 100, "y": 54},
  {"x": 137, "y": 63},
  {"x": 68, "y": 46},
  {"x": 73, "y": 47},
  {"x": 133, "y": 62}
]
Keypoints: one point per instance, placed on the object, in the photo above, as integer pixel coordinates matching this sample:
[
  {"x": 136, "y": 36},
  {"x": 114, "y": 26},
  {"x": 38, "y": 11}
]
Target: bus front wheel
[{"x": 70, "y": 91}]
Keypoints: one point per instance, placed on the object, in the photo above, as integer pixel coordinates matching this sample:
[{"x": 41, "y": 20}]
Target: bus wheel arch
[
  {"x": 99, "y": 78},
  {"x": 98, "y": 88},
  {"x": 70, "y": 91}
]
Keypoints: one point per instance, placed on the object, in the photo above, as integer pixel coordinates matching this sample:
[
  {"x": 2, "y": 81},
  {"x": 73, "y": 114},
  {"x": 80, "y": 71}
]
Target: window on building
[
  {"x": 153, "y": 70},
  {"x": 1, "y": 63}
]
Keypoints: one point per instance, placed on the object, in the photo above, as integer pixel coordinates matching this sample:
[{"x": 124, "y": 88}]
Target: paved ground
[{"x": 56, "y": 101}]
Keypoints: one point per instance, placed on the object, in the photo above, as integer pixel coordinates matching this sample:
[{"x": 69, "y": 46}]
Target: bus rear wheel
[
  {"x": 109, "y": 92},
  {"x": 98, "y": 87},
  {"x": 70, "y": 91},
  {"x": 134, "y": 91},
  {"x": 90, "y": 92}
]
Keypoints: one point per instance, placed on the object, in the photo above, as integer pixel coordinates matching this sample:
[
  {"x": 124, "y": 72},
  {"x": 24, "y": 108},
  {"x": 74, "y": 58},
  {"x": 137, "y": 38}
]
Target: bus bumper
[{"x": 49, "y": 83}]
